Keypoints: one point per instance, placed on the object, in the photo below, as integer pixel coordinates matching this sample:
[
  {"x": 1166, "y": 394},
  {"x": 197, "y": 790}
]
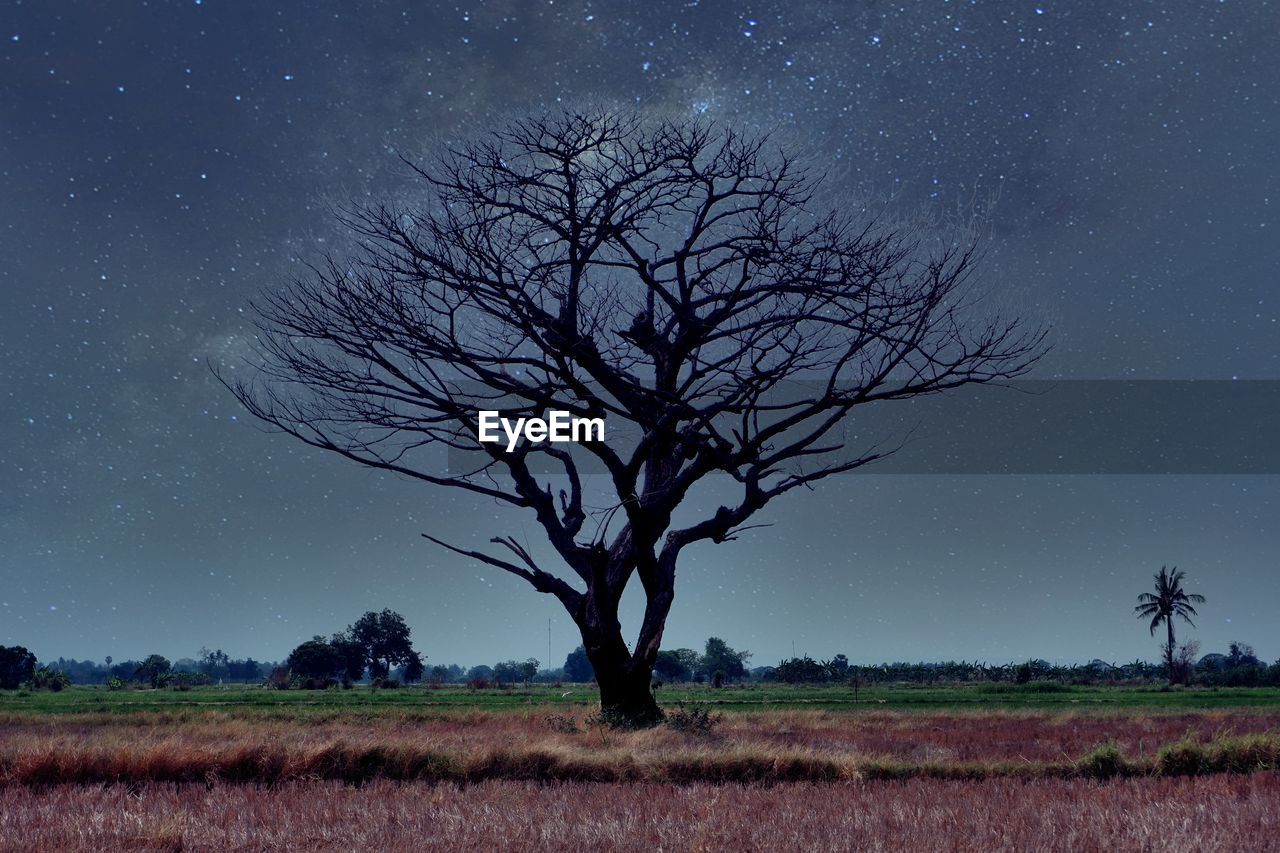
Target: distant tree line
[
  {"x": 1240, "y": 667},
  {"x": 377, "y": 647}
]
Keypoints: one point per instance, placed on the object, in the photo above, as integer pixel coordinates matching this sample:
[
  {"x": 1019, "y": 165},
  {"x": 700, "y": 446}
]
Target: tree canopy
[{"x": 677, "y": 278}]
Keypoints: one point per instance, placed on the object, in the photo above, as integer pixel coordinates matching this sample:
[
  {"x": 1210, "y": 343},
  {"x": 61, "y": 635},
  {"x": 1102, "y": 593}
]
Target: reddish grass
[
  {"x": 789, "y": 746},
  {"x": 1205, "y": 813}
]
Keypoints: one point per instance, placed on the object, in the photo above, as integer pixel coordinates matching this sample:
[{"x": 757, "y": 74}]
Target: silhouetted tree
[
  {"x": 385, "y": 639},
  {"x": 577, "y": 666},
  {"x": 154, "y": 670},
  {"x": 837, "y": 668},
  {"x": 1241, "y": 654},
  {"x": 511, "y": 671},
  {"x": 353, "y": 654},
  {"x": 676, "y": 278},
  {"x": 214, "y": 664},
  {"x": 676, "y": 664},
  {"x": 529, "y": 669},
  {"x": 1169, "y": 600},
  {"x": 317, "y": 660},
  {"x": 414, "y": 668},
  {"x": 720, "y": 658},
  {"x": 244, "y": 670},
  {"x": 48, "y": 678},
  {"x": 17, "y": 665},
  {"x": 480, "y": 673},
  {"x": 800, "y": 670}
]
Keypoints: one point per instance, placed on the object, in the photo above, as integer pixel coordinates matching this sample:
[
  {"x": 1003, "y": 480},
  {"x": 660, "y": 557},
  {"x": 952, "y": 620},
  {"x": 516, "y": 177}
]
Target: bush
[
  {"x": 115, "y": 682},
  {"x": 479, "y": 683},
  {"x": 381, "y": 683},
  {"x": 695, "y": 721},
  {"x": 279, "y": 679},
  {"x": 612, "y": 718},
  {"x": 561, "y": 724},
  {"x": 45, "y": 678},
  {"x": 1104, "y": 762},
  {"x": 187, "y": 680},
  {"x": 1184, "y": 758},
  {"x": 1246, "y": 754}
]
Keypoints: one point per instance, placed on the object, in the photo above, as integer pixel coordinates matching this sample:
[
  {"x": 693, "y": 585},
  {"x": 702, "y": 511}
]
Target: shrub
[
  {"x": 384, "y": 683},
  {"x": 115, "y": 682},
  {"x": 560, "y": 724},
  {"x": 1104, "y": 762},
  {"x": 1245, "y": 754},
  {"x": 45, "y": 678},
  {"x": 612, "y": 718},
  {"x": 696, "y": 721},
  {"x": 479, "y": 683},
  {"x": 187, "y": 680},
  {"x": 1184, "y": 758},
  {"x": 279, "y": 679}
]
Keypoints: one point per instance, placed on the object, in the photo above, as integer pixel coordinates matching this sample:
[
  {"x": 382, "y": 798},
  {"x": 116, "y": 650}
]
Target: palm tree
[{"x": 1169, "y": 600}]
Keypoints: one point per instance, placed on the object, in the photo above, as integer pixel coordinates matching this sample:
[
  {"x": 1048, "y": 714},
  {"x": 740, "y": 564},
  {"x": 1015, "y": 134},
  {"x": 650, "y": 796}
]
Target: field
[{"x": 903, "y": 767}]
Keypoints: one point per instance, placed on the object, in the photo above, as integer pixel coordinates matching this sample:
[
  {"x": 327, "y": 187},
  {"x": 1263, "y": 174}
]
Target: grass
[
  {"x": 976, "y": 767},
  {"x": 1035, "y": 695},
  {"x": 549, "y": 745},
  {"x": 1195, "y": 813}
]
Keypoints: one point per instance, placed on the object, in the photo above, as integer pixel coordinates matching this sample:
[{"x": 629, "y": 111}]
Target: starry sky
[{"x": 163, "y": 162}]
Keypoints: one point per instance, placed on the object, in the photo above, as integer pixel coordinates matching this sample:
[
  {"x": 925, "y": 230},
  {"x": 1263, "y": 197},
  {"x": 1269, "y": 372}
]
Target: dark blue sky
[{"x": 160, "y": 163}]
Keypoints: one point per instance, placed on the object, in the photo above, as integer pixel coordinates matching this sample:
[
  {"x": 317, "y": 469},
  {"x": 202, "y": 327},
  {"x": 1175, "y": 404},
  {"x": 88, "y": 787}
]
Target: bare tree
[{"x": 670, "y": 276}]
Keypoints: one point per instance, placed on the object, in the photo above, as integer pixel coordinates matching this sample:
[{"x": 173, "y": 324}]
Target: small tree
[
  {"x": 1241, "y": 654},
  {"x": 214, "y": 664},
  {"x": 385, "y": 639},
  {"x": 676, "y": 664},
  {"x": 529, "y": 669},
  {"x": 508, "y": 671},
  {"x": 720, "y": 658},
  {"x": 353, "y": 654},
  {"x": 800, "y": 670},
  {"x": 837, "y": 668},
  {"x": 414, "y": 668},
  {"x": 482, "y": 672},
  {"x": 46, "y": 678},
  {"x": 17, "y": 665},
  {"x": 1184, "y": 663},
  {"x": 154, "y": 670},
  {"x": 316, "y": 660},
  {"x": 577, "y": 666},
  {"x": 244, "y": 670}
]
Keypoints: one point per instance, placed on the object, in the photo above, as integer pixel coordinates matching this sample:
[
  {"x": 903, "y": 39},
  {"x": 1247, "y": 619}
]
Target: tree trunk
[
  {"x": 1169, "y": 650},
  {"x": 626, "y": 691},
  {"x": 626, "y": 696}
]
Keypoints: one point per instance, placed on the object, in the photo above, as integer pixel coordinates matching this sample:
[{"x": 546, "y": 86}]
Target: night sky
[{"x": 162, "y": 163}]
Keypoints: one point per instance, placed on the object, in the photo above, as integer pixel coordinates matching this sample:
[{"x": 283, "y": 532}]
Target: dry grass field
[
  {"x": 222, "y": 776},
  {"x": 546, "y": 746},
  {"x": 1220, "y": 812}
]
